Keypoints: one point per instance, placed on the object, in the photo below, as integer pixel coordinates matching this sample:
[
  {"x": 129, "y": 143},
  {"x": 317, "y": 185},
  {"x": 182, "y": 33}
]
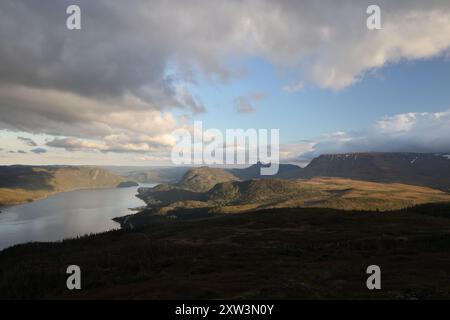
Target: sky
[{"x": 114, "y": 91}]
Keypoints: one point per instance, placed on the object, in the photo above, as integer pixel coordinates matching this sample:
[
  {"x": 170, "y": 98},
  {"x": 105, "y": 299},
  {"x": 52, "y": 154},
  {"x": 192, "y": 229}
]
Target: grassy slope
[
  {"x": 20, "y": 184},
  {"x": 337, "y": 193},
  {"x": 204, "y": 178},
  {"x": 278, "y": 253}
]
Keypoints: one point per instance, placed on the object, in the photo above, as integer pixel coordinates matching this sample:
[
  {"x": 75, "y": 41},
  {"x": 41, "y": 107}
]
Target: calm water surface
[{"x": 66, "y": 215}]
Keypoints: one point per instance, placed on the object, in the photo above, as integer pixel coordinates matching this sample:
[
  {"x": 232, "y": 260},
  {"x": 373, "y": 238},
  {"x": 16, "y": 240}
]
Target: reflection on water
[{"x": 66, "y": 215}]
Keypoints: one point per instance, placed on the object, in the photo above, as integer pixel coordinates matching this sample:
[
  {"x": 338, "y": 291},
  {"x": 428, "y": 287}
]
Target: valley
[
  {"x": 217, "y": 191},
  {"x": 229, "y": 234}
]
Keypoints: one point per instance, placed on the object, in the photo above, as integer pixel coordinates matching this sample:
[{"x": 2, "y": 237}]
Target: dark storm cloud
[
  {"x": 126, "y": 47},
  {"x": 102, "y": 59}
]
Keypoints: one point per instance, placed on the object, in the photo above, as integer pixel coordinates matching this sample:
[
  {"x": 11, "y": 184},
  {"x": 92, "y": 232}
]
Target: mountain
[
  {"x": 204, "y": 178},
  {"x": 423, "y": 169},
  {"x": 337, "y": 193},
  {"x": 254, "y": 171},
  {"x": 192, "y": 187},
  {"x": 20, "y": 184}
]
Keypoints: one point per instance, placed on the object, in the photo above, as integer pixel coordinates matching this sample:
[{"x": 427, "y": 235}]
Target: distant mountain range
[
  {"x": 254, "y": 171},
  {"x": 25, "y": 183},
  {"x": 422, "y": 169},
  {"x": 219, "y": 191}
]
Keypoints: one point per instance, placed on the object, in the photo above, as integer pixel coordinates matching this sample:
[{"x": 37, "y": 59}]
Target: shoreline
[
  {"x": 216, "y": 256},
  {"x": 105, "y": 221},
  {"x": 38, "y": 198}
]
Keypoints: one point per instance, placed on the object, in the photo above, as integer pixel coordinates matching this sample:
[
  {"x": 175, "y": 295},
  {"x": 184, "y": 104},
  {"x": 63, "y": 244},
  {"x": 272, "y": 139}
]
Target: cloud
[
  {"x": 28, "y": 141},
  {"x": 193, "y": 104},
  {"x": 18, "y": 151},
  {"x": 410, "y": 132},
  {"x": 294, "y": 152},
  {"x": 257, "y": 96},
  {"x": 117, "y": 82},
  {"x": 39, "y": 150},
  {"x": 294, "y": 87},
  {"x": 116, "y": 143},
  {"x": 63, "y": 114},
  {"x": 244, "y": 104},
  {"x": 129, "y": 48},
  {"x": 71, "y": 144}
]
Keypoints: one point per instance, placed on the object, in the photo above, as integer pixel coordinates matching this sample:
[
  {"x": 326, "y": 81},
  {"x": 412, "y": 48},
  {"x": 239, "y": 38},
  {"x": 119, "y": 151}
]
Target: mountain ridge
[
  {"x": 422, "y": 169},
  {"x": 19, "y": 184}
]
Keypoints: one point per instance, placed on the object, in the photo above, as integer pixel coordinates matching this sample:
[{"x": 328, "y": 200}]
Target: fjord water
[{"x": 66, "y": 215}]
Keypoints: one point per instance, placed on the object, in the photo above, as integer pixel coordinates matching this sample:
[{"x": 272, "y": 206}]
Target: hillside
[
  {"x": 204, "y": 178},
  {"x": 431, "y": 170},
  {"x": 301, "y": 253},
  {"x": 254, "y": 171},
  {"x": 20, "y": 184},
  {"x": 421, "y": 169},
  {"x": 337, "y": 193},
  {"x": 334, "y": 193},
  {"x": 192, "y": 187}
]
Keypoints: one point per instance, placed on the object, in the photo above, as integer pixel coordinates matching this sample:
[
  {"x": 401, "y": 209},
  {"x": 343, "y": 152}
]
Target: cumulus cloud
[
  {"x": 64, "y": 114},
  {"x": 409, "y": 132},
  {"x": 114, "y": 144},
  {"x": 295, "y": 152},
  {"x": 113, "y": 84},
  {"x": 127, "y": 48}
]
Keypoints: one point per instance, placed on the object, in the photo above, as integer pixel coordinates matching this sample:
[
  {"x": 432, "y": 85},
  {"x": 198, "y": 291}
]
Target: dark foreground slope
[{"x": 278, "y": 253}]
